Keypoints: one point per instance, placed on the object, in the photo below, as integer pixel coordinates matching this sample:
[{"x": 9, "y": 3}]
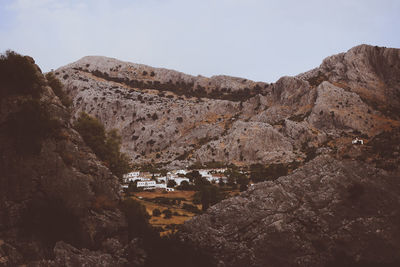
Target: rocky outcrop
[
  {"x": 168, "y": 117},
  {"x": 52, "y": 187},
  {"x": 163, "y": 125},
  {"x": 370, "y": 71},
  {"x": 328, "y": 213},
  {"x": 255, "y": 140}
]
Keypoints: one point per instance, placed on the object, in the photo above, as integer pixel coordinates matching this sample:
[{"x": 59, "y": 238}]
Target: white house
[
  {"x": 184, "y": 172},
  {"x": 212, "y": 174},
  {"x": 357, "y": 141},
  {"x": 163, "y": 186},
  {"x": 205, "y": 173},
  {"x": 179, "y": 180},
  {"x": 147, "y": 184},
  {"x": 161, "y": 179},
  {"x": 132, "y": 176}
]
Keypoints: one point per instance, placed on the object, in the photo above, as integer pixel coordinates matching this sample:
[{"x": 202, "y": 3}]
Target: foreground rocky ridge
[
  {"x": 59, "y": 204},
  {"x": 52, "y": 188},
  {"x": 168, "y": 117},
  {"x": 328, "y": 213}
]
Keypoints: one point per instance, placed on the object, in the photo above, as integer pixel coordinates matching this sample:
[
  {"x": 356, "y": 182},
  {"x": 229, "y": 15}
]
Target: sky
[{"x": 254, "y": 39}]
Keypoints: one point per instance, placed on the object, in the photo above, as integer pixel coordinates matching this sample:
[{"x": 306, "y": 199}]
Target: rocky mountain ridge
[
  {"x": 58, "y": 201},
  {"x": 168, "y": 117},
  {"x": 327, "y": 213},
  {"x": 52, "y": 187}
]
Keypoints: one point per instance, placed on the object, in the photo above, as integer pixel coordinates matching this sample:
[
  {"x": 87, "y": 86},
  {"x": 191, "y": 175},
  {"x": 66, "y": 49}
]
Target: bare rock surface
[
  {"x": 168, "y": 117},
  {"x": 248, "y": 141},
  {"x": 328, "y": 213}
]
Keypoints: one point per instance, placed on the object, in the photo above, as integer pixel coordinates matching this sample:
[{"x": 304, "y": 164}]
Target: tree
[
  {"x": 30, "y": 126},
  {"x": 106, "y": 146},
  {"x": 185, "y": 186},
  {"x": 258, "y": 172},
  {"x": 156, "y": 212},
  {"x": 200, "y": 182},
  {"x": 132, "y": 187},
  {"x": 167, "y": 214},
  {"x": 205, "y": 198},
  {"x": 19, "y": 75},
  {"x": 171, "y": 183},
  {"x": 208, "y": 195},
  {"x": 93, "y": 133},
  {"x": 192, "y": 175},
  {"x": 58, "y": 89},
  {"x": 137, "y": 218},
  {"x": 243, "y": 182}
]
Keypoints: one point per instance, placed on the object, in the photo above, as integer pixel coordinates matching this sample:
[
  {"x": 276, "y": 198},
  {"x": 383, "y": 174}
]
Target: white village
[{"x": 168, "y": 182}]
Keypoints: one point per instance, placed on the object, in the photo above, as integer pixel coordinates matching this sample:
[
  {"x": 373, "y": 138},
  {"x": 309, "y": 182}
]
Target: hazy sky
[{"x": 259, "y": 40}]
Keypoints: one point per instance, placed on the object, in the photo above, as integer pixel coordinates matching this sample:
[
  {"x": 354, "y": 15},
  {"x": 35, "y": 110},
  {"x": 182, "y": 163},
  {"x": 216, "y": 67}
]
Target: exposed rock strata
[
  {"x": 329, "y": 212},
  {"x": 164, "y": 118}
]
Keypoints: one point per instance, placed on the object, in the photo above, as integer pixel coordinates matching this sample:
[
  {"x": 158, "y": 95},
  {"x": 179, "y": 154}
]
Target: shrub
[
  {"x": 179, "y": 119},
  {"x": 185, "y": 186},
  {"x": 208, "y": 195},
  {"x": 167, "y": 214},
  {"x": 171, "y": 183},
  {"x": 259, "y": 172},
  {"x": 137, "y": 218},
  {"x": 58, "y": 89},
  {"x": 19, "y": 75},
  {"x": 105, "y": 145},
  {"x": 191, "y": 208},
  {"x": 156, "y": 212},
  {"x": 92, "y": 132},
  {"x": 30, "y": 126}
]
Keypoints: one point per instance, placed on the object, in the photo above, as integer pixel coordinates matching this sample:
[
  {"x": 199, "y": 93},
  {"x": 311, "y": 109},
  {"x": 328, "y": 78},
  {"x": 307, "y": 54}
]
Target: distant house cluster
[
  {"x": 148, "y": 181},
  {"x": 357, "y": 141},
  {"x": 214, "y": 175}
]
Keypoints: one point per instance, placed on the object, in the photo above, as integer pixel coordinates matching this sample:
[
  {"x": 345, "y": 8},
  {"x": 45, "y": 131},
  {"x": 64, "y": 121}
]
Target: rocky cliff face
[
  {"x": 328, "y": 213},
  {"x": 168, "y": 117},
  {"x": 339, "y": 209},
  {"x": 52, "y": 187}
]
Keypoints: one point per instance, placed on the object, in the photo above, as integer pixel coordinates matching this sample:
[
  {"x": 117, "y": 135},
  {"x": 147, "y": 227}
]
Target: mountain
[
  {"x": 168, "y": 117},
  {"x": 52, "y": 187},
  {"x": 338, "y": 208},
  {"x": 328, "y": 213},
  {"x": 59, "y": 204}
]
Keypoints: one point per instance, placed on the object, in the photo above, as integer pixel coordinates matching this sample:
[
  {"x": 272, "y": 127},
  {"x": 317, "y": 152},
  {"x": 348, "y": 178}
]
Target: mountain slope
[
  {"x": 52, "y": 187},
  {"x": 172, "y": 118},
  {"x": 328, "y": 213}
]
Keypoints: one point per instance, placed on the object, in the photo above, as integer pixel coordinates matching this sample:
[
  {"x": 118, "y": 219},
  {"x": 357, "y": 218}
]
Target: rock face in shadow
[
  {"x": 328, "y": 213},
  {"x": 52, "y": 187}
]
